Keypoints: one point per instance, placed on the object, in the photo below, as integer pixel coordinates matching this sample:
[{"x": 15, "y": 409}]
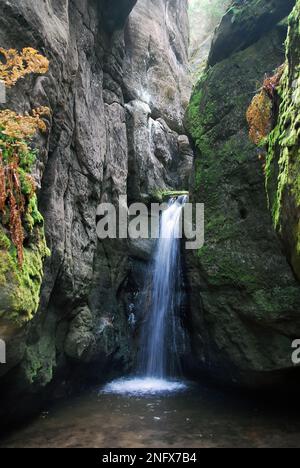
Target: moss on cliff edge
[{"x": 283, "y": 159}]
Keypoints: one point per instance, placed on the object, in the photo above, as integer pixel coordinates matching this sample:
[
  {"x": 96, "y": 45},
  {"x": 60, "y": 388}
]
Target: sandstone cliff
[
  {"x": 245, "y": 300},
  {"x": 283, "y": 170},
  {"x": 117, "y": 89}
]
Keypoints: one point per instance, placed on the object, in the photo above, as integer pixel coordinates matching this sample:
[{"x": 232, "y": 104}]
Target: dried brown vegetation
[
  {"x": 17, "y": 188},
  {"x": 15, "y": 65}
]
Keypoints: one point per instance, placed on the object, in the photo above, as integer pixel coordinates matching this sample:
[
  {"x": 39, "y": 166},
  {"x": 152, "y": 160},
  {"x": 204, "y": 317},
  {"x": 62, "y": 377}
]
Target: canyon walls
[
  {"x": 283, "y": 163},
  {"x": 116, "y": 87},
  {"x": 245, "y": 299}
]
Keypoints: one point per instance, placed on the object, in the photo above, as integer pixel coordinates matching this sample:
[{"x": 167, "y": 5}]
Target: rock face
[
  {"x": 157, "y": 90},
  {"x": 283, "y": 163},
  {"x": 245, "y": 300},
  {"x": 244, "y": 24},
  {"x": 110, "y": 87}
]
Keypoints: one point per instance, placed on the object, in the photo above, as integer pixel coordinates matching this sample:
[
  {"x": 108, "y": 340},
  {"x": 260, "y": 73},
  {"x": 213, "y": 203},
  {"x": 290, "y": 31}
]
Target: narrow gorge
[{"x": 129, "y": 102}]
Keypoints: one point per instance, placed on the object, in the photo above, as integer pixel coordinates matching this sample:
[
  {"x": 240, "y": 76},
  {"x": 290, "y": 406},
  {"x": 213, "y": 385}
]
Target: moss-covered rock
[
  {"x": 245, "y": 301},
  {"x": 20, "y": 284},
  {"x": 283, "y": 160}
]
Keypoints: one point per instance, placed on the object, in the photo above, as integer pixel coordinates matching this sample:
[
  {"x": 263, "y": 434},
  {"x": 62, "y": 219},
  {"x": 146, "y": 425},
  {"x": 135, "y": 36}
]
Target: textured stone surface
[
  {"x": 157, "y": 90},
  {"x": 245, "y": 300},
  {"x": 283, "y": 162},
  {"x": 244, "y": 23},
  {"x": 90, "y": 287},
  {"x": 77, "y": 163}
]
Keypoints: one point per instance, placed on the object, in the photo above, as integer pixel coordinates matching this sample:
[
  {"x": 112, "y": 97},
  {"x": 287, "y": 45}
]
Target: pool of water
[{"x": 189, "y": 416}]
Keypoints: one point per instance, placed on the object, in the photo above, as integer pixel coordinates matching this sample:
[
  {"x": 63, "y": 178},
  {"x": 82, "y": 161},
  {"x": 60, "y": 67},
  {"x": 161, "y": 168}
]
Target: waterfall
[
  {"x": 162, "y": 336},
  {"x": 162, "y": 333}
]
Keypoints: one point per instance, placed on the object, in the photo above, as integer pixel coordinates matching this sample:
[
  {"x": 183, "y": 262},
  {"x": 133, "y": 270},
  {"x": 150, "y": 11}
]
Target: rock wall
[
  {"x": 157, "y": 90},
  {"x": 111, "y": 85},
  {"x": 244, "y": 24},
  {"x": 283, "y": 164},
  {"x": 245, "y": 300},
  {"x": 204, "y": 18}
]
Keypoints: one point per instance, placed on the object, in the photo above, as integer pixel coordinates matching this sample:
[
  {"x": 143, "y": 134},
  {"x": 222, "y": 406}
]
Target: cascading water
[{"x": 162, "y": 335}]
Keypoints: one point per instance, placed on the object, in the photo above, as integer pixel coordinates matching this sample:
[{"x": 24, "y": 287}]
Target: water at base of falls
[
  {"x": 143, "y": 386},
  {"x": 162, "y": 335}
]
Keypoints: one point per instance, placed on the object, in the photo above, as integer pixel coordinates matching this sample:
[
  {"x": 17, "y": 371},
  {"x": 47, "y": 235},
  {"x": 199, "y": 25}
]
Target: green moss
[
  {"x": 20, "y": 281},
  {"x": 160, "y": 196},
  {"x": 39, "y": 361},
  {"x": 20, "y": 286},
  {"x": 33, "y": 216},
  {"x": 225, "y": 268},
  {"x": 27, "y": 157},
  {"x": 4, "y": 240},
  {"x": 229, "y": 180},
  {"x": 270, "y": 300},
  {"x": 283, "y": 162}
]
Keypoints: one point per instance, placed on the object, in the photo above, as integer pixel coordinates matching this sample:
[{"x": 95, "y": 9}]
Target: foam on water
[{"x": 143, "y": 386}]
